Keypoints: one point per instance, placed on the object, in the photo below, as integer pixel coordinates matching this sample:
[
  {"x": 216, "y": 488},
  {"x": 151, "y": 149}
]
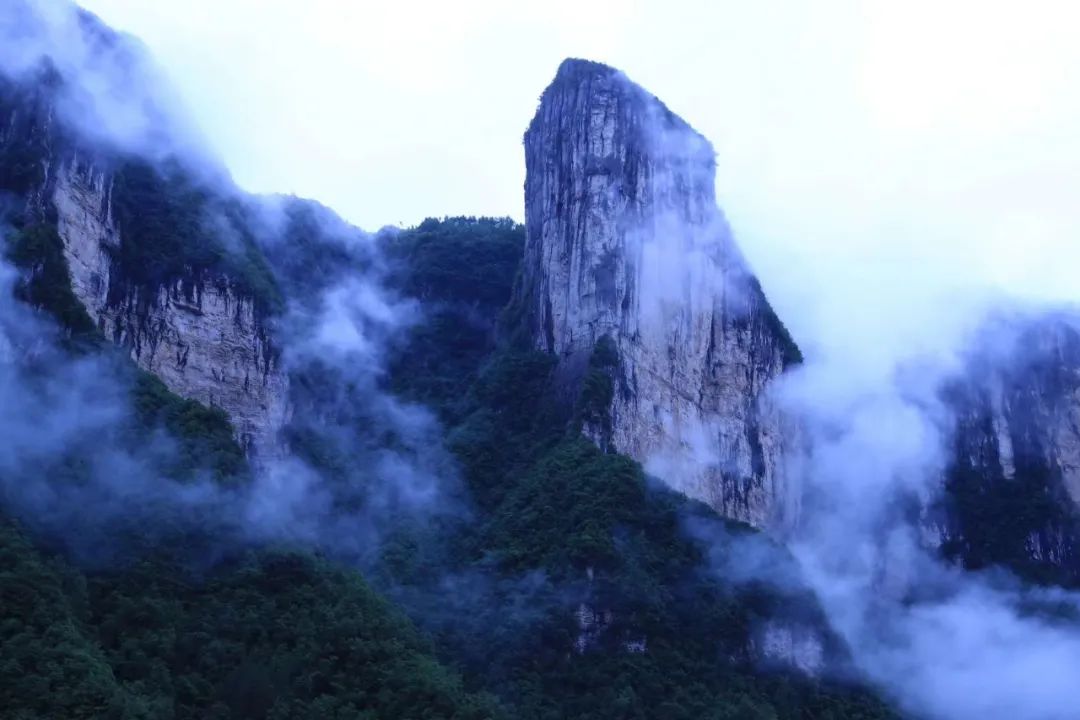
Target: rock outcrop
[
  {"x": 1012, "y": 490},
  {"x": 624, "y": 241},
  {"x": 791, "y": 646},
  {"x": 201, "y": 336},
  {"x": 199, "y": 331}
]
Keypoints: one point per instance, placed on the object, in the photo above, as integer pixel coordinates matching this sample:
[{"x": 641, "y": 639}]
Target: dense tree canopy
[{"x": 486, "y": 622}]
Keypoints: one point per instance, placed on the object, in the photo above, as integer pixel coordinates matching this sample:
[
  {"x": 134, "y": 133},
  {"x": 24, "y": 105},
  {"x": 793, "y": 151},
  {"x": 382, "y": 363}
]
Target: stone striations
[
  {"x": 624, "y": 240},
  {"x": 1013, "y": 486},
  {"x": 203, "y": 339}
]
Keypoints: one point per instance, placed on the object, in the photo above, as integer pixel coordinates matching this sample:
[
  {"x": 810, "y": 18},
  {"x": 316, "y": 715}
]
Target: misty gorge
[{"x": 610, "y": 454}]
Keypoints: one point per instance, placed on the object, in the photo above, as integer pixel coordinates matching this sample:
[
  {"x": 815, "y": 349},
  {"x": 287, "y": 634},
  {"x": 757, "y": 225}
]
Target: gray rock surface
[
  {"x": 58, "y": 150},
  {"x": 1020, "y": 400},
  {"x": 791, "y": 646},
  {"x": 200, "y": 337},
  {"x": 1015, "y": 446},
  {"x": 625, "y": 240}
]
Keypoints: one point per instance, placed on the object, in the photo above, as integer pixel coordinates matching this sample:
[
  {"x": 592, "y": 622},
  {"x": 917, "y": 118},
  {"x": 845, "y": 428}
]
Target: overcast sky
[{"x": 926, "y": 146}]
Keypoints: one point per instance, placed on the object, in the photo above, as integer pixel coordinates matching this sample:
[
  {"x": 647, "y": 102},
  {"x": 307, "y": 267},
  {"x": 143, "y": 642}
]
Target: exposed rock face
[
  {"x": 624, "y": 240},
  {"x": 792, "y": 646},
  {"x": 1013, "y": 488},
  {"x": 202, "y": 338},
  {"x": 591, "y": 622}
]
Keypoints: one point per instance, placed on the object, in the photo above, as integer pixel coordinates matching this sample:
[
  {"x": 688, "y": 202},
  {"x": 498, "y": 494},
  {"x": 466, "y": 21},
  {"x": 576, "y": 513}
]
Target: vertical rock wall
[
  {"x": 624, "y": 240},
  {"x": 1012, "y": 491},
  {"x": 203, "y": 339}
]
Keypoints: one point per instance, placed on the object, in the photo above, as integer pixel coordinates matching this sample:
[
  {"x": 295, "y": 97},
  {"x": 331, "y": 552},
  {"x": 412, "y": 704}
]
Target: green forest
[
  {"x": 426, "y": 516},
  {"x": 467, "y": 616}
]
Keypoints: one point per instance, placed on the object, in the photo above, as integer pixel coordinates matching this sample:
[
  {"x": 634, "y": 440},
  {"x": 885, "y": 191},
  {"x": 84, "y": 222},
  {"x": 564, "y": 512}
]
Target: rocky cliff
[
  {"x": 198, "y": 324},
  {"x": 625, "y": 245},
  {"x": 1012, "y": 489},
  {"x": 203, "y": 336}
]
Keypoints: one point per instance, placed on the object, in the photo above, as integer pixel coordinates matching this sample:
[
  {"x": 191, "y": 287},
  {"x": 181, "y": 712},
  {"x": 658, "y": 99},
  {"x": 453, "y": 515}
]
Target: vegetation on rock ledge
[{"x": 174, "y": 228}]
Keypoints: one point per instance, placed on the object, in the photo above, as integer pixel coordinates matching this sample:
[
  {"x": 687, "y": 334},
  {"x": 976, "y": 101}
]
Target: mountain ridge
[
  {"x": 580, "y": 612},
  {"x": 454, "y": 507}
]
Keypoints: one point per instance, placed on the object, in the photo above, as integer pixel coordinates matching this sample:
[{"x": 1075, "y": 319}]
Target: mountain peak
[
  {"x": 580, "y": 77},
  {"x": 578, "y": 67},
  {"x": 627, "y": 254}
]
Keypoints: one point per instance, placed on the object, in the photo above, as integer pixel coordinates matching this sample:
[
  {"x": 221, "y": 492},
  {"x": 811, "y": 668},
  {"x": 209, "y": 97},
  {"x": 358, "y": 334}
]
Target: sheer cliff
[
  {"x": 626, "y": 248},
  {"x": 158, "y": 254},
  {"x": 1012, "y": 487},
  {"x": 541, "y": 565}
]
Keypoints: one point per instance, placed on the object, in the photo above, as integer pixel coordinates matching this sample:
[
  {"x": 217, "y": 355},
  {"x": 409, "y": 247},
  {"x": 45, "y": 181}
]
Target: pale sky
[{"x": 923, "y": 146}]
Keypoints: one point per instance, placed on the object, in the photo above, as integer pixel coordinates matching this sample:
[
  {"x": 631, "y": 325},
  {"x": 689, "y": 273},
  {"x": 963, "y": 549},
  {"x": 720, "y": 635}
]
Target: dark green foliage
[
  {"x": 50, "y": 666},
  {"x": 172, "y": 227},
  {"x": 464, "y": 260},
  {"x": 24, "y": 145},
  {"x": 656, "y": 684},
  {"x": 599, "y": 534},
  {"x": 39, "y": 252},
  {"x": 993, "y": 520},
  {"x": 312, "y": 249},
  {"x": 791, "y": 352},
  {"x": 515, "y": 318},
  {"x": 562, "y": 524},
  {"x": 564, "y": 512},
  {"x": 463, "y": 270},
  {"x": 598, "y": 391},
  {"x": 276, "y": 636},
  {"x": 203, "y": 435},
  {"x": 512, "y": 420}
]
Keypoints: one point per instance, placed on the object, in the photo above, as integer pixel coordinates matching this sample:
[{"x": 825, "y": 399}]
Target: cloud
[
  {"x": 81, "y": 468},
  {"x": 891, "y": 171},
  {"x": 108, "y": 85},
  {"x": 899, "y": 178},
  {"x": 916, "y": 203}
]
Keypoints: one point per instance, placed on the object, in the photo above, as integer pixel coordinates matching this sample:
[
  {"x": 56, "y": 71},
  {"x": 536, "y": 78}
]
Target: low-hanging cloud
[
  {"x": 916, "y": 165},
  {"x": 105, "y": 84},
  {"x": 923, "y": 207},
  {"x": 69, "y": 470},
  {"x": 69, "y": 467},
  {"x": 899, "y": 231}
]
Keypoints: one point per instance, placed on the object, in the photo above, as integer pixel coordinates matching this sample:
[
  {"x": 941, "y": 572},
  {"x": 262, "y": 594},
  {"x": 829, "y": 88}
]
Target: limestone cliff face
[
  {"x": 1013, "y": 487},
  {"x": 204, "y": 339},
  {"x": 198, "y": 332},
  {"x": 624, "y": 241}
]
